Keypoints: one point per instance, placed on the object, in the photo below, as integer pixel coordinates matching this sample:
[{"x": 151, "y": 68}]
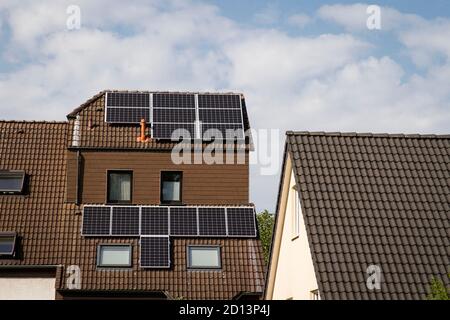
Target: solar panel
[
  {"x": 126, "y": 107},
  {"x": 127, "y": 115},
  {"x": 128, "y": 99},
  {"x": 174, "y": 115},
  {"x": 125, "y": 221},
  {"x": 174, "y": 100},
  {"x": 219, "y": 101},
  {"x": 155, "y": 252},
  {"x": 220, "y": 116},
  {"x": 166, "y": 130},
  {"x": 155, "y": 221},
  {"x": 227, "y": 131},
  {"x": 211, "y": 222},
  {"x": 241, "y": 222},
  {"x": 183, "y": 221},
  {"x": 96, "y": 221}
]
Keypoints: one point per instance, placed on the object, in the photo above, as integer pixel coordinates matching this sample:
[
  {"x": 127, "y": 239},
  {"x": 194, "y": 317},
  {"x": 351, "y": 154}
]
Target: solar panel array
[
  {"x": 176, "y": 221},
  {"x": 155, "y": 252},
  {"x": 199, "y": 116}
]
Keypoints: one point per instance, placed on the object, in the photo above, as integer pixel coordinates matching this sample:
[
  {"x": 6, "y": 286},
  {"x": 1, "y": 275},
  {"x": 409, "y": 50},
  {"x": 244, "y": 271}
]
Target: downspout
[{"x": 77, "y": 200}]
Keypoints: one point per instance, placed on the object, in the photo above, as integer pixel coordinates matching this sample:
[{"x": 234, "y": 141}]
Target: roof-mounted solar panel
[
  {"x": 241, "y": 222},
  {"x": 155, "y": 221},
  {"x": 96, "y": 221},
  {"x": 174, "y": 100},
  {"x": 183, "y": 221},
  {"x": 125, "y": 221},
  {"x": 212, "y": 222},
  {"x": 155, "y": 252},
  {"x": 127, "y": 107},
  {"x": 219, "y": 101}
]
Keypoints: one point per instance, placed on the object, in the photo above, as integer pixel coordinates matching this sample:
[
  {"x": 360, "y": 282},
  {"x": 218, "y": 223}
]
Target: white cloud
[{"x": 426, "y": 40}]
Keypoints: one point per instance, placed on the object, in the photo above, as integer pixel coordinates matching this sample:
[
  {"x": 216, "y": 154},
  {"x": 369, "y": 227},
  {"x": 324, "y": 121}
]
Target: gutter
[{"x": 21, "y": 266}]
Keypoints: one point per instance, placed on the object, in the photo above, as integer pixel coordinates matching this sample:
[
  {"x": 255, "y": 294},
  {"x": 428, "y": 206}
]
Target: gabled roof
[{"x": 374, "y": 199}]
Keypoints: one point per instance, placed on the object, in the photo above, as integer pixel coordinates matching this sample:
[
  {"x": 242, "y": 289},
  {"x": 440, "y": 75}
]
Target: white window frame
[
  {"x": 204, "y": 247},
  {"x": 104, "y": 245}
]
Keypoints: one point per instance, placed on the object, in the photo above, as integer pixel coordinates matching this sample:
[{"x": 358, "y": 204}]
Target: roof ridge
[{"x": 366, "y": 134}]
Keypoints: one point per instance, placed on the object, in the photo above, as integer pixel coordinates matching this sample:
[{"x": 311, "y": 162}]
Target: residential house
[
  {"x": 361, "y": 216},
  {"x": 100, "y": 207}
]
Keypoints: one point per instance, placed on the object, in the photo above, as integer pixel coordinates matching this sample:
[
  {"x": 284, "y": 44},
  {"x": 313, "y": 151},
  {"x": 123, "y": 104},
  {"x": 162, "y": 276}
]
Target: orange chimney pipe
[{"x": 143, "y": 137}]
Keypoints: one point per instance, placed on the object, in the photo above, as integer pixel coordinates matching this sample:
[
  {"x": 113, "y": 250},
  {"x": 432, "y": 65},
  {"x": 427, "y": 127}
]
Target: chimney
[{"x": 143, "y": 137}]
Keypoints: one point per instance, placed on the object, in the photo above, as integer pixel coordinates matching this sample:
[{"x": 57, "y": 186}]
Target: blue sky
[{"x": 302, "y": 65}]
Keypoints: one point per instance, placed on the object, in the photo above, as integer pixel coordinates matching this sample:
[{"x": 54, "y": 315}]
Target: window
[
  {"x": 114, "y": 255},
  {"x": 11, "y": 181},
  {"x": 171, "y": 187},
  {"x": 315, "y": 295},
  {"x": 296, "y": 213},
  {"x": 7, "y": 243},
  {"x": 120, "y": 186},
  {"x": 204, "y": 257}
]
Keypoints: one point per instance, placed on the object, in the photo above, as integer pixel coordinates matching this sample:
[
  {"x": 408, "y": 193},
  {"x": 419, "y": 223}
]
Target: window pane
[
  {"x": 7, "y": 244},
  {"x": 171, "y": 190},
  {"x": 202, "y": 257},
  {"x": 11, "y": 181},
  {"x": 171, "y": 186},
  {"x": 115, "y": 256},
  {"x": 119, "y": 186}
]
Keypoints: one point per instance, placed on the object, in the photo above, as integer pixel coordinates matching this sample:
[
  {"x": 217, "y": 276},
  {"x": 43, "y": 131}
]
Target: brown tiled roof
[
  {"x": 50, "y": 229},
  {"x": 374, "y": 199},
  {"x": 96, "y": 133},
  {"x": 38, "y": 148}
]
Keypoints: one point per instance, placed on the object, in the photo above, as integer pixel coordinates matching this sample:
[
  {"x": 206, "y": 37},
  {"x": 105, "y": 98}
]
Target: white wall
[
  {"x": 27, "y": 288},
  {"x": 293, "y": 276}
]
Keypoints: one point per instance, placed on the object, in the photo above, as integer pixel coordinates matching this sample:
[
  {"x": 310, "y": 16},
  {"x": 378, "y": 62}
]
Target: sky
[{"x": 302, "y": 65}]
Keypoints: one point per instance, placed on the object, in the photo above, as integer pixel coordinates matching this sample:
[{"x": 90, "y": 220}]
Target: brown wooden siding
[{"x": 202, "y": 184}]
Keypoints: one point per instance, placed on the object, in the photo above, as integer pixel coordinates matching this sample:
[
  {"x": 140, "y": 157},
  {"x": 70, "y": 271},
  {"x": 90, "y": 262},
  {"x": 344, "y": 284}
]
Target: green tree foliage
[
  {"x": 438, "y": 290},
  {"x": 265, "y": 224}
]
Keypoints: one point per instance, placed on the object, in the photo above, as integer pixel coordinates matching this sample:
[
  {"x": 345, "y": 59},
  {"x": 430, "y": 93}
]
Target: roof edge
[{"x": 366, "y": 134}]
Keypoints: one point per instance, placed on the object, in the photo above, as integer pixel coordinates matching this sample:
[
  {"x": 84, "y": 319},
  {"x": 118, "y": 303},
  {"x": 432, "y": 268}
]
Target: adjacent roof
[{"x": 374, "y": 199}]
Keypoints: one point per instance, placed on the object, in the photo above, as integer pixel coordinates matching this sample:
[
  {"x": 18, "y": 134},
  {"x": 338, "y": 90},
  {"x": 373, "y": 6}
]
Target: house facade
[
  {"x": 101, "y": 205},
  {"x": 360, "y": 216}
]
